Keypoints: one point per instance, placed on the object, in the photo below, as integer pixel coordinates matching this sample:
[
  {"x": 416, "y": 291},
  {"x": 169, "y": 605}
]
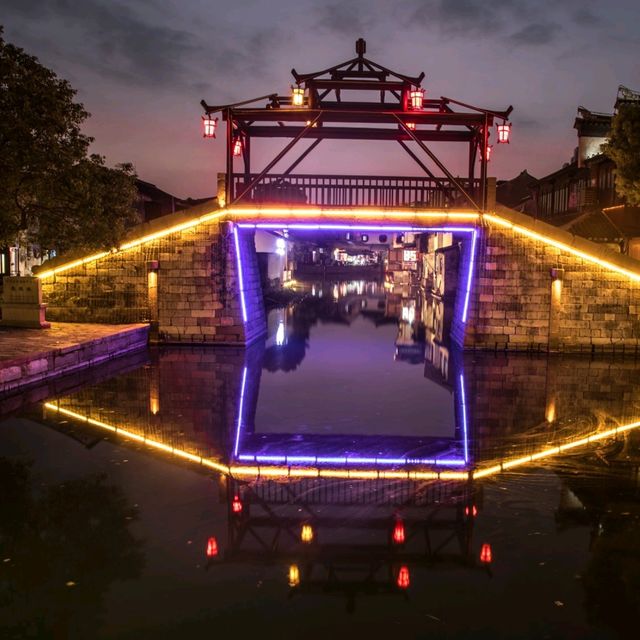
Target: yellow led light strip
[
  {"x": 356, "y": 212},
  {"x": 534, "y": 235},
  {"x": 134, "y": 243},
  {"x": 355, "y": 474}
]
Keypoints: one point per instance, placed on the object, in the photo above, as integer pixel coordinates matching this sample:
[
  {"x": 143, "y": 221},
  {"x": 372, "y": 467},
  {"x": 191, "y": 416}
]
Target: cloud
[
  {"x": 536, "y": 34},
  {"x": 345, "y": 18}
]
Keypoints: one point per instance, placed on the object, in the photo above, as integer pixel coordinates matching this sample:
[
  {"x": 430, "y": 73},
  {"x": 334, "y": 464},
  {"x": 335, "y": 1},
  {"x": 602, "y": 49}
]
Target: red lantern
[
  {"x": 237, "y": 147},
  {"x": 473, "y": 511},
  {"x": 403, "y": 580},
  {"x": 236, "y": 505},
  {"x": 486, "y": 556},
  {"x": 398, "y": 535},
  {"x": 212, "y": 547},
  {"x": 504, "y": 132},
  {"x": 487, "y": 155},
  {"x": 210, "y": 125},
  {"x": 416, "y": 98}
]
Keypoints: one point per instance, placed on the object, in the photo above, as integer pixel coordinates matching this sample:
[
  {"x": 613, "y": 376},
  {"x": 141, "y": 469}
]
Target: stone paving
[
  {"x": 16, "y": 344},
  {"x": 28, "y": 356}
]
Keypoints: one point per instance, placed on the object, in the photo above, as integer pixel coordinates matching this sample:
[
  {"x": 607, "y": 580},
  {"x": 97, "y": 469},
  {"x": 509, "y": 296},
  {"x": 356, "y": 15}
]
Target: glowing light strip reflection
[
  {"x": 243, "y": 303},
  {"x": 240, "y": 408},
  {"x": 286, "y": 471}
]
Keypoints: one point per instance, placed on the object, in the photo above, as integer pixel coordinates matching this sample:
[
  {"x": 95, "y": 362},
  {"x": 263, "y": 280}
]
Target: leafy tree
[
  {"x": 53, "y": 193},
  {"x": 623, "y": 147}
]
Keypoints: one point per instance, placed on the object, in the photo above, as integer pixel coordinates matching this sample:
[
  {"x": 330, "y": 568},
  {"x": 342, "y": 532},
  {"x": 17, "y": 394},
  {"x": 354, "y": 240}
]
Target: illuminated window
[{"x": 364, "y": 237}]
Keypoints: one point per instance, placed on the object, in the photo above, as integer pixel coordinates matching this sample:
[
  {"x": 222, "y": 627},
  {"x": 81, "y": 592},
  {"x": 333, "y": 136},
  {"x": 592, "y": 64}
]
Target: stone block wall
[
  {"x": 195, "y": 294},
  {"x": 516, "y": 306}
]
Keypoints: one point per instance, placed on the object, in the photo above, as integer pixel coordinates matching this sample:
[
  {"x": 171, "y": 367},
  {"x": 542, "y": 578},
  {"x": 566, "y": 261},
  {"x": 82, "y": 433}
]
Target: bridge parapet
[{"x": 527, "y": 285}]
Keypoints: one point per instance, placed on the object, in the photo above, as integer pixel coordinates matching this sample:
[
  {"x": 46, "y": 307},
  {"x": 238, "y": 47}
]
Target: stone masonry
[
  {"x": 527, "y": 294},
  {"x": 191, "y": 276},
  {"x": 515, "y": 304}
]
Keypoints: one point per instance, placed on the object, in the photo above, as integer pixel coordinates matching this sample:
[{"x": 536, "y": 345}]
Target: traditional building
[{"x": 581, "y": 196}]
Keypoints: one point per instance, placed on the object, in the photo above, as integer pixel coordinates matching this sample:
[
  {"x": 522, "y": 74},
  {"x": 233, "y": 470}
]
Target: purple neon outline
[
  {"x": 350, "y": 459},
  {"x": 467, "y": 296},
  {"x": 345, "y": 227},
  {"x": 240, "y": 275},
  {"x": 463, "y": 401},
  {"x": 295, "y": 460},
  {"x": 240, "y": 410}
]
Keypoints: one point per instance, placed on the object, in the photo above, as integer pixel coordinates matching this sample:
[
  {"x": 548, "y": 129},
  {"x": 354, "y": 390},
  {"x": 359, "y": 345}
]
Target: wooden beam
[{"x": 360, "y": 133}]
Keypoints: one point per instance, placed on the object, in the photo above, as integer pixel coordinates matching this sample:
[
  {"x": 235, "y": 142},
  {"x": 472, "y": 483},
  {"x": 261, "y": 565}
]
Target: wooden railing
[{"x": 353, "y": 191}]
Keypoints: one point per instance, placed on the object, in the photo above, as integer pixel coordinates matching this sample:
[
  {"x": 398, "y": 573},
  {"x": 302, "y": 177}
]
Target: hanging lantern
[
  {"x": 403, "y": 580},
  {"x": 485, "y": 554},
  {"x": 306, "y": 535},
  {"x": 410, "y": 125},
  {"x": 294, "y": 575},
  {"x": 236, "y": 505},
  {"x": 398, "y": 535},
  {"x": 416, "y": 98},
  {"x": 297, "y": 96},
  {"x": 487, "y": 155},
  {"x": 210, "y": 125},
  {"x": 212, "y": 547},
  {"x": 473, "y": 511},
  {"x": 504, "y": 132},
  {"x": 237, "y": 147}
]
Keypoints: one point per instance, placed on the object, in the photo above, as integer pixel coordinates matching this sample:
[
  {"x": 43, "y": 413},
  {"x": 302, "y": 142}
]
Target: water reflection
[
  {"x": 62, "y": 548},
  {"x": 352, "y": 539},
  {"x": 365, "y": 381},
  {"x": 340, "y": 438}
]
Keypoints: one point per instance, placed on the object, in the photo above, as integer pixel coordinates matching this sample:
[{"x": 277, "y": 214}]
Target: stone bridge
[{"x": 522, "y": 284}]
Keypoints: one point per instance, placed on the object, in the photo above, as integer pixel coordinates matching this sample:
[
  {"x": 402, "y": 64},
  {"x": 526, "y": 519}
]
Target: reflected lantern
[
  {"x": 306, "y": 535},
  {"x": 403, "y": 580},
  {"x": 294, "y": 575},
  {"x": 504, "y": 132},
  {"x": 398, "y": 536},
  {"x": 236, "y": 505},
  {"x": 212, "y": 547},
  {"x": 416, "y": 98},
  {"x": 209, "y": 125},
  {"x": 410, "y": 125},
  {"x": 486, "y": 556},
  {"x": 297, "y": 96}
]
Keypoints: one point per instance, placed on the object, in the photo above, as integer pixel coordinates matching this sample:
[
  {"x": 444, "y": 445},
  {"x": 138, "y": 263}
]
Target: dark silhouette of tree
[
  {"x": 52, "y": 192},
  {"x": 623, "y": 147},
  {"x": 62, "y": 546}
]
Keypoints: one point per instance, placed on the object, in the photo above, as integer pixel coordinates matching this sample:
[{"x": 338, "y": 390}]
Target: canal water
[{"x": 111, "y": 525}]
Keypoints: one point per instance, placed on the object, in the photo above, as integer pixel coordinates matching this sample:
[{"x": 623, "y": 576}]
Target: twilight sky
[{"x": 141, "y": 68}]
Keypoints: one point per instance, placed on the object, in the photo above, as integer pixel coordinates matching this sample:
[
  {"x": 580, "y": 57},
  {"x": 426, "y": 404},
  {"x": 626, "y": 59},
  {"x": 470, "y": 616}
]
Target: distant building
[
  {"x": 516, "y": 193},
  {"x": 154, "y": 202},
  {"x": 581, "y": 196}
]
